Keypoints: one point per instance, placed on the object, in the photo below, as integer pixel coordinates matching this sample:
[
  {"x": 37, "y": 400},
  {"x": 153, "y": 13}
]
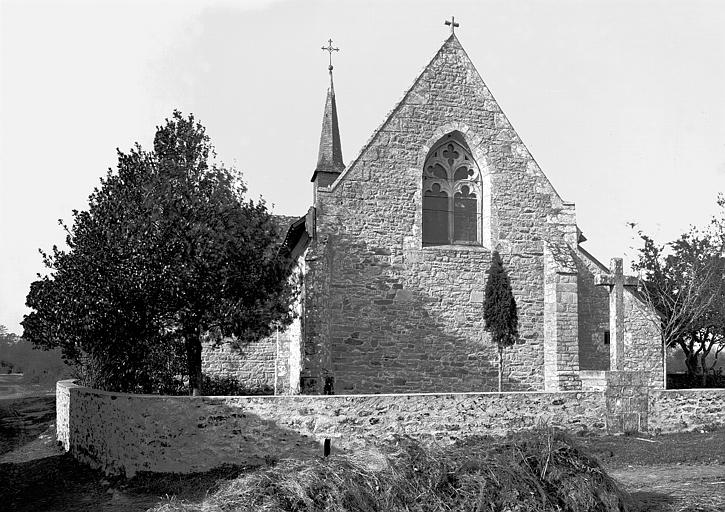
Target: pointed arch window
[{"x": 451, "y": 194}]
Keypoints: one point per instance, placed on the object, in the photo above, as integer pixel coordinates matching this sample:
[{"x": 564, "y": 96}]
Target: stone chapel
[{"x": 393, "y": 255}]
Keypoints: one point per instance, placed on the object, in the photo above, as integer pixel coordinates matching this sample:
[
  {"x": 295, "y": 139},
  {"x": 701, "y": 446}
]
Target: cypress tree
[{"x": 499, "y": 310}]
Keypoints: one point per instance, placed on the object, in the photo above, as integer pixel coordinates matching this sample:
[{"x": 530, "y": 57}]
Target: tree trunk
[
  {"x": 500, "y": 368},
  {"x": 703, "y": 364},
  {"x": 193, "y": 360},
  {"x": 692, "y": 364}
]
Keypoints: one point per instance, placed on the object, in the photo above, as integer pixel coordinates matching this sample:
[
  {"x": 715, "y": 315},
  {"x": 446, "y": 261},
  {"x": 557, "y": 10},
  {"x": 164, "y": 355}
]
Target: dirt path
[
  {"x": 23, "y": 419},
  {"x": 39, "y": 476},
  {"x": 673, "y": 487}
]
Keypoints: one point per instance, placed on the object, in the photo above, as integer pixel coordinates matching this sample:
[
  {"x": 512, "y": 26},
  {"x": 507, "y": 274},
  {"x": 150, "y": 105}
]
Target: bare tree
[{"x": 684, "y": 282}]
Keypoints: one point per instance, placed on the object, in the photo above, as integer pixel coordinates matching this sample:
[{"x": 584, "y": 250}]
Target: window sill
[{"x": 456, "y": 247}]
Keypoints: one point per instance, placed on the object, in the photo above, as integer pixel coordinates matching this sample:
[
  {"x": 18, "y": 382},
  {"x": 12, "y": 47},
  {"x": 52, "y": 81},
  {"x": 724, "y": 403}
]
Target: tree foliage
[
  {"x": 168, "y": 250},
  {"x": 684, "y": 281},
  {"x": 499, "y": 309}
]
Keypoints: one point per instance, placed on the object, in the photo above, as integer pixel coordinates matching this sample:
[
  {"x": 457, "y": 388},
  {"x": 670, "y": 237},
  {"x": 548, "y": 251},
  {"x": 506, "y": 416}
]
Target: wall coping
[
  {"x": 68, "y": 384},
  {"x": 71, "y": 384}
]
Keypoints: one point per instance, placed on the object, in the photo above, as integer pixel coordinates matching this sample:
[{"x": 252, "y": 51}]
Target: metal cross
[
  {"x": 330, "y": 49},
  {"x": 452, "y": 24}
]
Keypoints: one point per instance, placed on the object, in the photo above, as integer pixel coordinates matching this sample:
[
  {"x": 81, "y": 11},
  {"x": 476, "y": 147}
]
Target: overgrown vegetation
[
  {"x": 684, "y": 281},
  {"x": 215, "y": 385},
  {"x": 168, "y": 250},
  {"x": 540, "y": 471}
]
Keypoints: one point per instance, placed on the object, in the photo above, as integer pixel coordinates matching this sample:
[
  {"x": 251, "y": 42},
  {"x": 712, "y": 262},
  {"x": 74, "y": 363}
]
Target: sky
[{"x": 620, "y": 102}]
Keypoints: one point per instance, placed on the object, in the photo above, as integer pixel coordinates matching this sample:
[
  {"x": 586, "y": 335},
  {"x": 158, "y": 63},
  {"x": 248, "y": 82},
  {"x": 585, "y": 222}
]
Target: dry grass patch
[{"x": 527, "y": 472}]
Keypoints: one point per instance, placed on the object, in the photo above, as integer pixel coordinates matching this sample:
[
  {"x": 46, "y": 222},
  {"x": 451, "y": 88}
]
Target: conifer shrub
[{"x": 499, "y": 310}]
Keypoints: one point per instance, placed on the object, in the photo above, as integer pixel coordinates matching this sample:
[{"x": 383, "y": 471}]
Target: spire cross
[
  {"x": 452, "y": 24},
  {"x": 330, "y": 49}
]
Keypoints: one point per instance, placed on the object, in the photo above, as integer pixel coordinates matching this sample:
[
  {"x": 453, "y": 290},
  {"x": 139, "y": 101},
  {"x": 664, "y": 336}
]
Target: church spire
[{"x": 329, "y": 160}]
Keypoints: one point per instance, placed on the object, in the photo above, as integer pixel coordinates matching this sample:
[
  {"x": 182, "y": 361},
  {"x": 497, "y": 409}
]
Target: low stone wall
[
  {"x": 678, "y": 410},
  {"x": 123, "y": 434}
]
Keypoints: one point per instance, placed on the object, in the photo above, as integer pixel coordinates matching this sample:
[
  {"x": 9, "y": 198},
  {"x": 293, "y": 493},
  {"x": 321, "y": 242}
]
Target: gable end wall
[{"x": 389, "y": 315}]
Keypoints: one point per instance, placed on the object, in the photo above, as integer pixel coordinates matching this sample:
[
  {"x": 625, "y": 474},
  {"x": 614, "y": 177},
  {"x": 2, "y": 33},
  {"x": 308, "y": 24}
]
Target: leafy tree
[
  {"x": 684, "y": 281},
  {"x": 499, "y": 310},
  {"x": 168, "y": 250}
]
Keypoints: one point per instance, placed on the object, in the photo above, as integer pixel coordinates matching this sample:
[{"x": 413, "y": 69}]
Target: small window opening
[{"x": 329, "y": 387}]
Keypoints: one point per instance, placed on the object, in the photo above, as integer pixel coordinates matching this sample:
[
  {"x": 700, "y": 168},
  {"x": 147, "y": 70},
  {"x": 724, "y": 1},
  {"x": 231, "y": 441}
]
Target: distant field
[{"x": 12, "y": 386}]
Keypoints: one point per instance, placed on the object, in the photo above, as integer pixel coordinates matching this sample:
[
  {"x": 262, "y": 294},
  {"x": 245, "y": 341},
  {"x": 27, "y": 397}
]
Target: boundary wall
[
  {"x": 124, "y": 434},
  {"x": 680, "y": 410}
]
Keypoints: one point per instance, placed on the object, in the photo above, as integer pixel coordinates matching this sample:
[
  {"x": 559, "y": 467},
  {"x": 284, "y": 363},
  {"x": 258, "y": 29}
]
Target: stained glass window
[
  {"x": 435, "y": 215},
  {"x": 451, "y": 194}
]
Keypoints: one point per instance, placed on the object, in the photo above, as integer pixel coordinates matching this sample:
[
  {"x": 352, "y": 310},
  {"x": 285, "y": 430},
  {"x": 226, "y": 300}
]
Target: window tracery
[{"x": 451, "y": 194}]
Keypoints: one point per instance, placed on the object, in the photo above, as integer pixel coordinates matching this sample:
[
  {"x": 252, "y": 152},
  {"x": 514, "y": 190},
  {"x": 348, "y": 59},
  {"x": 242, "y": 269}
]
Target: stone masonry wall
[
  {"x": 561, "y": 351},
  {"x": 252, "y": 364},
  {"x": 389, "y": 315},
  {"x": 678, "y": 410},
  {"x": 626, "y": 395},
  {"x": 124, "y": 434},
  {"x": 643, "y": 352},
  {"x": 593, "y": 307}
]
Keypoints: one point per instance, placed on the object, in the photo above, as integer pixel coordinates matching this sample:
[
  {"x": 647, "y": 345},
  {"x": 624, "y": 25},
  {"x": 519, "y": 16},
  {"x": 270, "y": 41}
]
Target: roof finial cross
[
  {"x": 330, "y": 49},
  {"x": 452, "y": 24}
]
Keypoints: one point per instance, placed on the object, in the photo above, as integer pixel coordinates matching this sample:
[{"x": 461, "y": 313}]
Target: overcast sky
[{"x": 621, "y": 103}]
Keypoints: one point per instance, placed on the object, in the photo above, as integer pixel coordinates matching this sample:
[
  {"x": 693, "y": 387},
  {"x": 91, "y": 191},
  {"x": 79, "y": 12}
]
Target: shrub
[
  {"x": 215, "y": 385},
  {"x": 715, "y": 379}
]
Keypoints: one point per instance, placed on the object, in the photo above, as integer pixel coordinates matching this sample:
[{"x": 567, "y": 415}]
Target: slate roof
[{"x": 330, "y": 155}]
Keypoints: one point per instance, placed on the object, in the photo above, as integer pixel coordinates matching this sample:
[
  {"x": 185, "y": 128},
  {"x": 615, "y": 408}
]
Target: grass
[
  {"x": 698, "y": 447},
  {"x": 527, "y": 472}
]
